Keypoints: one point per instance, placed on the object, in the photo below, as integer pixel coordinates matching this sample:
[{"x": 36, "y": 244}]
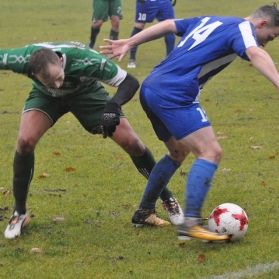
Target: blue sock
[
  {"x": 134, "y": 49},
  {"x": 158, "y": 180},
  {"x": 198, "y": 184},
  {"x": 170, "y": 41}
]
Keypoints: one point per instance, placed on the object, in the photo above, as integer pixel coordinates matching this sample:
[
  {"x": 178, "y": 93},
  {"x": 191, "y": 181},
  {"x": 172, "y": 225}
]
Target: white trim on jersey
[
  {"x": 118, "y": 78},
  {"x": 215, "y": 64},
  {"x": 247, "y": 34}
]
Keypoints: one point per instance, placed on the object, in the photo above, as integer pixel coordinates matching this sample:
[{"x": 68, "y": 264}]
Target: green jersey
[{"x": 83, "y": 67}]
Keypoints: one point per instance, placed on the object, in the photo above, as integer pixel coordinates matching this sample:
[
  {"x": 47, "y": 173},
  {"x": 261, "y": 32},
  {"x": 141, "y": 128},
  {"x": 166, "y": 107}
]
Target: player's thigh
[
  {"x": 50, "y": 106},
  {"x": 100, "y": 10},
  {"x": 115, "y": 9},
  {"x": 203, "y": 144},
  {"x": 146, "y": 12},
  {"x": 166, "y": 11},
  {"x": 88, "y": 108},
  {"x": 146, "y": 99}
]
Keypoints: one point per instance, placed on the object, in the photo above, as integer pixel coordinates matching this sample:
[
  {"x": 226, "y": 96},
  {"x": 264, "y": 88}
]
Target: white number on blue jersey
[
  {"x": 203, "y": 115},
  {"x": 200, "y": 33}
]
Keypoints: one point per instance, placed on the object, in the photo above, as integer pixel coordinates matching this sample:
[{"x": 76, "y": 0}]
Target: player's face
[
  {"x": 266, "y": 34},
  {"x": 56, "y": 78}
]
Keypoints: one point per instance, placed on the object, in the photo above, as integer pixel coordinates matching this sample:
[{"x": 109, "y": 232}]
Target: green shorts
[
  {"x": 102, "y": 9},
  {"x": 87, "y": 107}
]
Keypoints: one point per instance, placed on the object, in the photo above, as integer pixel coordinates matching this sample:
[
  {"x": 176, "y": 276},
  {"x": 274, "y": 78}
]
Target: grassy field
[{"x": 93, "y": 184}]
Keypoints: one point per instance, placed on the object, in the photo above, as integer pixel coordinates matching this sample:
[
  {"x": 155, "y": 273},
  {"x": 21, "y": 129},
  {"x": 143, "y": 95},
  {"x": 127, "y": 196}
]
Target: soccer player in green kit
[
  {"x": 102, "y": 10},
  {"x": 66, "y": 78}
]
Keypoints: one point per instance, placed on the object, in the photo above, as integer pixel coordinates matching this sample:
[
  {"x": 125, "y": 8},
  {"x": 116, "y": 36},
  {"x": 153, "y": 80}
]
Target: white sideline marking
[{"x": 250, "y": 271}]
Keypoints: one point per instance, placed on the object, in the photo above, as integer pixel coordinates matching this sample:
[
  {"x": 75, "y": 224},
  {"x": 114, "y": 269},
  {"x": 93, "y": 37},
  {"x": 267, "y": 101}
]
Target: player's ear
[{"x": 263, "y": 23}]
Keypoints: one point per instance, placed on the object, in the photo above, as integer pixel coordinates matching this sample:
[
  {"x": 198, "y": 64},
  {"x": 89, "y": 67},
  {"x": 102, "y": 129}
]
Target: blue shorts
[
  {"x": 149, "y": 10},
  {"x": 169, "y": 119}
]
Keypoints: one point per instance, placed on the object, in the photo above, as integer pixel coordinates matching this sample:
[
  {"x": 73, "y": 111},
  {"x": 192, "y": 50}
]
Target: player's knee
[
  {"x": 178, "y": 157},
  {"x": 216, "y": 154},
  {"x": 133, "y": 146},
  {"x": 97, "y": 24},
  {"x": 26, "y": 145}
]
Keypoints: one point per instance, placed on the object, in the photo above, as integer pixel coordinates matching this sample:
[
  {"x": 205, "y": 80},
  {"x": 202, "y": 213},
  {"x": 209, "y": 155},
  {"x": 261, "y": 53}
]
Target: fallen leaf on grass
[
  {"x": 70, "y": 169},
  {"x": 222, "y": 137},
  {"x": 224, "y": 170},
  {"x": 255, "y": 147},
  {"x": 59, "y": 219},
  {"x": 36, "y": 250},
  {"x": 264, "y": 183},
  {"x": 56, "y": 153},
  {"x": 6, "y": 193},
  {"x": 44, "y": 175},
  {"x": 201, "y": 258},
  {"x": 271, "y": 157}
]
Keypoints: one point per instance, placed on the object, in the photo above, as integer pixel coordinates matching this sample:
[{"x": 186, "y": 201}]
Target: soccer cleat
[
  {"x": 174, "y": 211},
  {"x": 148, "y": 217},
  {"x": 16, "y": 224},
  {"x": 188, "y": 231},
  {"x": 131, "y": 64}
]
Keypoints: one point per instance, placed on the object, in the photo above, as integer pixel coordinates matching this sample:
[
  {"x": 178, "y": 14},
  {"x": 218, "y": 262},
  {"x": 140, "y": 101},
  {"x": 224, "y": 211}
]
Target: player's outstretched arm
[
  {"x": 262, "y": 61},
  {"x": 121, "y": 47}
]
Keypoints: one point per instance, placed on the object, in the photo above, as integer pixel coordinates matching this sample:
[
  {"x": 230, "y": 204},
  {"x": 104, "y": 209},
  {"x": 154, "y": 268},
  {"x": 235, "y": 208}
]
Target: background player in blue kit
[
  {"x": 146, "y": 12},
  {"x": 170, "y": 97}
]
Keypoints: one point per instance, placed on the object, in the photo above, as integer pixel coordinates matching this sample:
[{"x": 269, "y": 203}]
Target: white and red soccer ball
[{"x": 229, "y": 219}]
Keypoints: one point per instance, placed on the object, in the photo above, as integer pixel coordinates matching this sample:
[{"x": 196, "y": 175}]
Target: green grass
[{"x": 98, "y": 198}]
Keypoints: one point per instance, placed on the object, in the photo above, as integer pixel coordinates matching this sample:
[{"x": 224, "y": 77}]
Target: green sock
[
  {"x": 23, "y": 173},
  {"x": 93, "y": 36},
  {"x": 145, "y": 164},
  {"x": 113, "y": 35}
]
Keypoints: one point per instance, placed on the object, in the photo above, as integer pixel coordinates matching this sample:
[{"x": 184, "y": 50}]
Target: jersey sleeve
[
  {"x": 97, "y": 66},
  {"x": 242, "y": 38},
  {"x": 16, "y": 59}
]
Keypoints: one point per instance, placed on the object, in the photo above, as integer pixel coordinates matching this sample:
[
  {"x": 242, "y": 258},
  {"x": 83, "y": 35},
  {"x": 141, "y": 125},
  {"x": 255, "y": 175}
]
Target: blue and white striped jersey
[{"x": 208, "y": 45}]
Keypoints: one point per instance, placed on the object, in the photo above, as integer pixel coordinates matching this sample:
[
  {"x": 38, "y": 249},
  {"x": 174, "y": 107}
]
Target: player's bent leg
[
  {"x": 208, "y": 152},
  {"x": 127, "y": 139},
  {"x": 33, "y": 125},
  {"x": 204, "y": 145},
  {"x": 144, "y": 161}
]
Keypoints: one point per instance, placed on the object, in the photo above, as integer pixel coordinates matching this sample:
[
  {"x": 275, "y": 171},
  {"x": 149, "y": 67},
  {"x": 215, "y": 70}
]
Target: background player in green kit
[
  {"x": 102, "y": 10},
  {"x": 66, "y": 79}
]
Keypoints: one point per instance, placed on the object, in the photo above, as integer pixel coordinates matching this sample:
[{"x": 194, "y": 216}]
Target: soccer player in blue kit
[
  {"x": 146, "y": 12},
  {"x": 170, "y": 97}
]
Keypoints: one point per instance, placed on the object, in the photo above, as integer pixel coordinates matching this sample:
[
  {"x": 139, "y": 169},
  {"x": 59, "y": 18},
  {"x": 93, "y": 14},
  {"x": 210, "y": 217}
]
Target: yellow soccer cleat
[{"x": 198, "y": 232}]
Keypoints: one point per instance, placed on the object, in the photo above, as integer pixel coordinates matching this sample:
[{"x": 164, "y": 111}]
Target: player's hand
[
  {"x": 173, "y": 2},
  {"x": 115, "y": 48},
  {"x": 110, "y": 119}
]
